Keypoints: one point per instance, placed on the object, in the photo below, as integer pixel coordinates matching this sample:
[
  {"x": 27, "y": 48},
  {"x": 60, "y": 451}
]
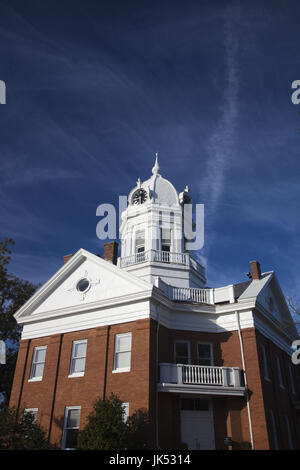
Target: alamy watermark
[
  {"x": 296, "y": 354},
  {"x": 193, "y": 224},
  {"x": 2, "y": 92}
]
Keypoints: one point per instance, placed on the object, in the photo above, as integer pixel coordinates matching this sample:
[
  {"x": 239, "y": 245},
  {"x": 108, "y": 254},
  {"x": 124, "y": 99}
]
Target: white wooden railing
[
  {"x": 186, "y": 374},
  {"x": 161, "y": 257},
  {"x": 202, "y": 375},
  {"x": 188, "y": 294}
]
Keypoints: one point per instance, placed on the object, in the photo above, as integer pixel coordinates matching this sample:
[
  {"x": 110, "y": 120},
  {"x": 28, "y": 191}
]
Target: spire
[{"x": 155, "y": 169}]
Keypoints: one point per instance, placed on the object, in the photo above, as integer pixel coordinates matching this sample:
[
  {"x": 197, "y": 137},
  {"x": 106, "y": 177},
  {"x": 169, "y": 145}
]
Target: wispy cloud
[
  {"x": 221, "y": 144},
  {"x": 36, "y": 176}
]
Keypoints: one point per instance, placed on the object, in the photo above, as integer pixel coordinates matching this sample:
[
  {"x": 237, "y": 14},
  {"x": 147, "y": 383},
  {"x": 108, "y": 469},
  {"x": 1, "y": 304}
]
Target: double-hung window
[
  {"x": 38, "y": 363},
  {"x": 263, "y": 357},
  {"x": 205, "y": 354},
  {"x": 182, "y": 352},
  {"x": 78, "y": 358},
  {"x": 140, "y": 245},
  {"x": 166, "y": 244},
  {"x": 71, "y": 427},
  {"x": 122, "y": 357}
]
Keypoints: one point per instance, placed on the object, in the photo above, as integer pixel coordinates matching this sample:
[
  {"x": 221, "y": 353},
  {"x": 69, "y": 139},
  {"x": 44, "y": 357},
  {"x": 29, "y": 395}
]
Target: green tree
[
  {"x": 138, "y": 431},
  {"x": 14, "y": 292},
  {"x": 18, "y": 431},
  {"x": 105, "y": 429}
]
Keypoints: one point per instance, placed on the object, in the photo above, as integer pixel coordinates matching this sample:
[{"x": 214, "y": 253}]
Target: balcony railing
[
  {"x": 190, "y": 294},
  {"x": 222, "y": 380},
  {"x": 161, "y": 257},
  {"x": 155, "y": 255},
  {"x": 180, "y": 294}
]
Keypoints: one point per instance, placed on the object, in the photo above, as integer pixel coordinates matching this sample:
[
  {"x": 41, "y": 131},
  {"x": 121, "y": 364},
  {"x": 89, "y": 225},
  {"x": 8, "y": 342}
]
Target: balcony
[
  {"x": 157, "y": 256},
  {"x": 189, "y": 294},
  {"x": 207, "y": 380}
]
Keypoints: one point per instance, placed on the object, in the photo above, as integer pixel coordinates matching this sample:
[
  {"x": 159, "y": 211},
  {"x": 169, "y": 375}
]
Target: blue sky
[{"x": 95, "y": 88}]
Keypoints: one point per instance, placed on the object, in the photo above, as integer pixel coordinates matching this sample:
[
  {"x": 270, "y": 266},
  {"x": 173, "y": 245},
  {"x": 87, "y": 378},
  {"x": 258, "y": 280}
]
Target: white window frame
[
  {"x": 211, "y": 353},
  {"x": 33, "y": 411},
  {"x": 189, "y": 350},
  {"x": 279, "y": 369},
  {"x": 34, "y": 378},
  {"x": 125, "y": 406},
  {"x": 73, "y": 359},
  {"x": 65, "y": 428},
  {"x": 116, "y": 352},
  {"x": 265, "y": 363},
  {"x": 169, "y": 242},
  {"x": 140, "y": 245}
]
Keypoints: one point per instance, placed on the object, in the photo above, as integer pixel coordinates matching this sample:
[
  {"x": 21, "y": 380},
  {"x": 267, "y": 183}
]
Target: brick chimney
[
  {"x": 67, "y": 257},
  {"x": 255, "y": 270},
  {"x": 111, "y": 252}
]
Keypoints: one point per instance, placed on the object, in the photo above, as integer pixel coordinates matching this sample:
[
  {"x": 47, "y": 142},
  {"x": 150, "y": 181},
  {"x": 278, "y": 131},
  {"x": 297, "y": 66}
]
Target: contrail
[{"x": 221, "y": 144}]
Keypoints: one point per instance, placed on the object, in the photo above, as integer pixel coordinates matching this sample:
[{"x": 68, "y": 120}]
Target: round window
[{"x": 83, "y": 285}]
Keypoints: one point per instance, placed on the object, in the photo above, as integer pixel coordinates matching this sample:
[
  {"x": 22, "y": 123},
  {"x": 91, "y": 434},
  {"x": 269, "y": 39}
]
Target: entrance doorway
[{"x": 197, "y": 426}]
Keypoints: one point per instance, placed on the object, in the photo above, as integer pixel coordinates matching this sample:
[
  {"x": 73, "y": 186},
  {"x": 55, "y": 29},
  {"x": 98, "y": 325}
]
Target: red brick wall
[
  {"x": 280, "y": 400},
  {"x": 138, "y": 387},
  {"x": 132, "y": 387},
  {"x": 226, "y": 352}
]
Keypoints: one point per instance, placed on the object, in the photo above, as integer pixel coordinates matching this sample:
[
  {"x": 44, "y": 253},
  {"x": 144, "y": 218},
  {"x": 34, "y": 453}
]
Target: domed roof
[{"x": 161, "y": 190}]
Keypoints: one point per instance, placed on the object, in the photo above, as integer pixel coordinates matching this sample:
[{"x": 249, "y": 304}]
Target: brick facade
[{"x": 138, "y": 387}]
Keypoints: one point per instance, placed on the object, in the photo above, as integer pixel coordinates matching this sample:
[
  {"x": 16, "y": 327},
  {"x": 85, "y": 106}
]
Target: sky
[{"x": 96, "y": 88}]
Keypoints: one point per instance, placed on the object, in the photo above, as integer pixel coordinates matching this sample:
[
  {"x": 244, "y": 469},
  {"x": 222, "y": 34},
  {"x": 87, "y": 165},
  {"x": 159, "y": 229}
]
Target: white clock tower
[{"x": 152, "y": 235}]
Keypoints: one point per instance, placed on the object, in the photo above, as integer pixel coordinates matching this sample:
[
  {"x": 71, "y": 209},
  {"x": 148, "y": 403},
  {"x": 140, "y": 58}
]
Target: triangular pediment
[
  {"x": 85, "y": 280},
  {"x": 269, "y": 298}
]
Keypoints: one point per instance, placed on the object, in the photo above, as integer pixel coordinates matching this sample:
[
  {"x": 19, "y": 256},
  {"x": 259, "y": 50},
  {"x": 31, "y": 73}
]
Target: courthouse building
[{"x": 211, "y": 365}]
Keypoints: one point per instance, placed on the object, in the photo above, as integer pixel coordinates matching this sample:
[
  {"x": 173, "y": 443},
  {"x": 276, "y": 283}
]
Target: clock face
[{"x": 139, "y": 196}]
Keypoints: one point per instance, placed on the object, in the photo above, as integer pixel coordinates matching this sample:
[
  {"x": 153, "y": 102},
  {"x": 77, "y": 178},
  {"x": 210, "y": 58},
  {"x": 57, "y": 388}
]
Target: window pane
[
  {"x": 37, "y": 370},
  {"x": 181, "y": 353},
  {"x": 71, "y": 438},
  {"x": 182, "y": 349},
  {"x": 166, "y": 235},
  {"x": 123, "y": 342},
  {"x": 140, "y": 238},
  {"x": 204, "y": 354},
  {"x": 79, "y": 349},
  {"x": 78, "y": 365},
  {"x": 40, "y": 355},
  {"x": 123, "y": 360},
  {"x": 201, "y": 405},
  {"x": 187, "y": 404},
  {"x": 73, "y": 418},
  {"x": 194, "y": 404}
]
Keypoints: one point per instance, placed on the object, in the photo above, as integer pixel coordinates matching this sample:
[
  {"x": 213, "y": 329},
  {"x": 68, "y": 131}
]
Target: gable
[
  {"x": 272, "y": 299},
  {"x": 85, "y": 279}
]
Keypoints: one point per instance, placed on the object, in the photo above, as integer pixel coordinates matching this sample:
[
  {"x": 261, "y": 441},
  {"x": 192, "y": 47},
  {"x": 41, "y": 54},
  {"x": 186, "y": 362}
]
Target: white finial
[{"x": 155, "y": 169}]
